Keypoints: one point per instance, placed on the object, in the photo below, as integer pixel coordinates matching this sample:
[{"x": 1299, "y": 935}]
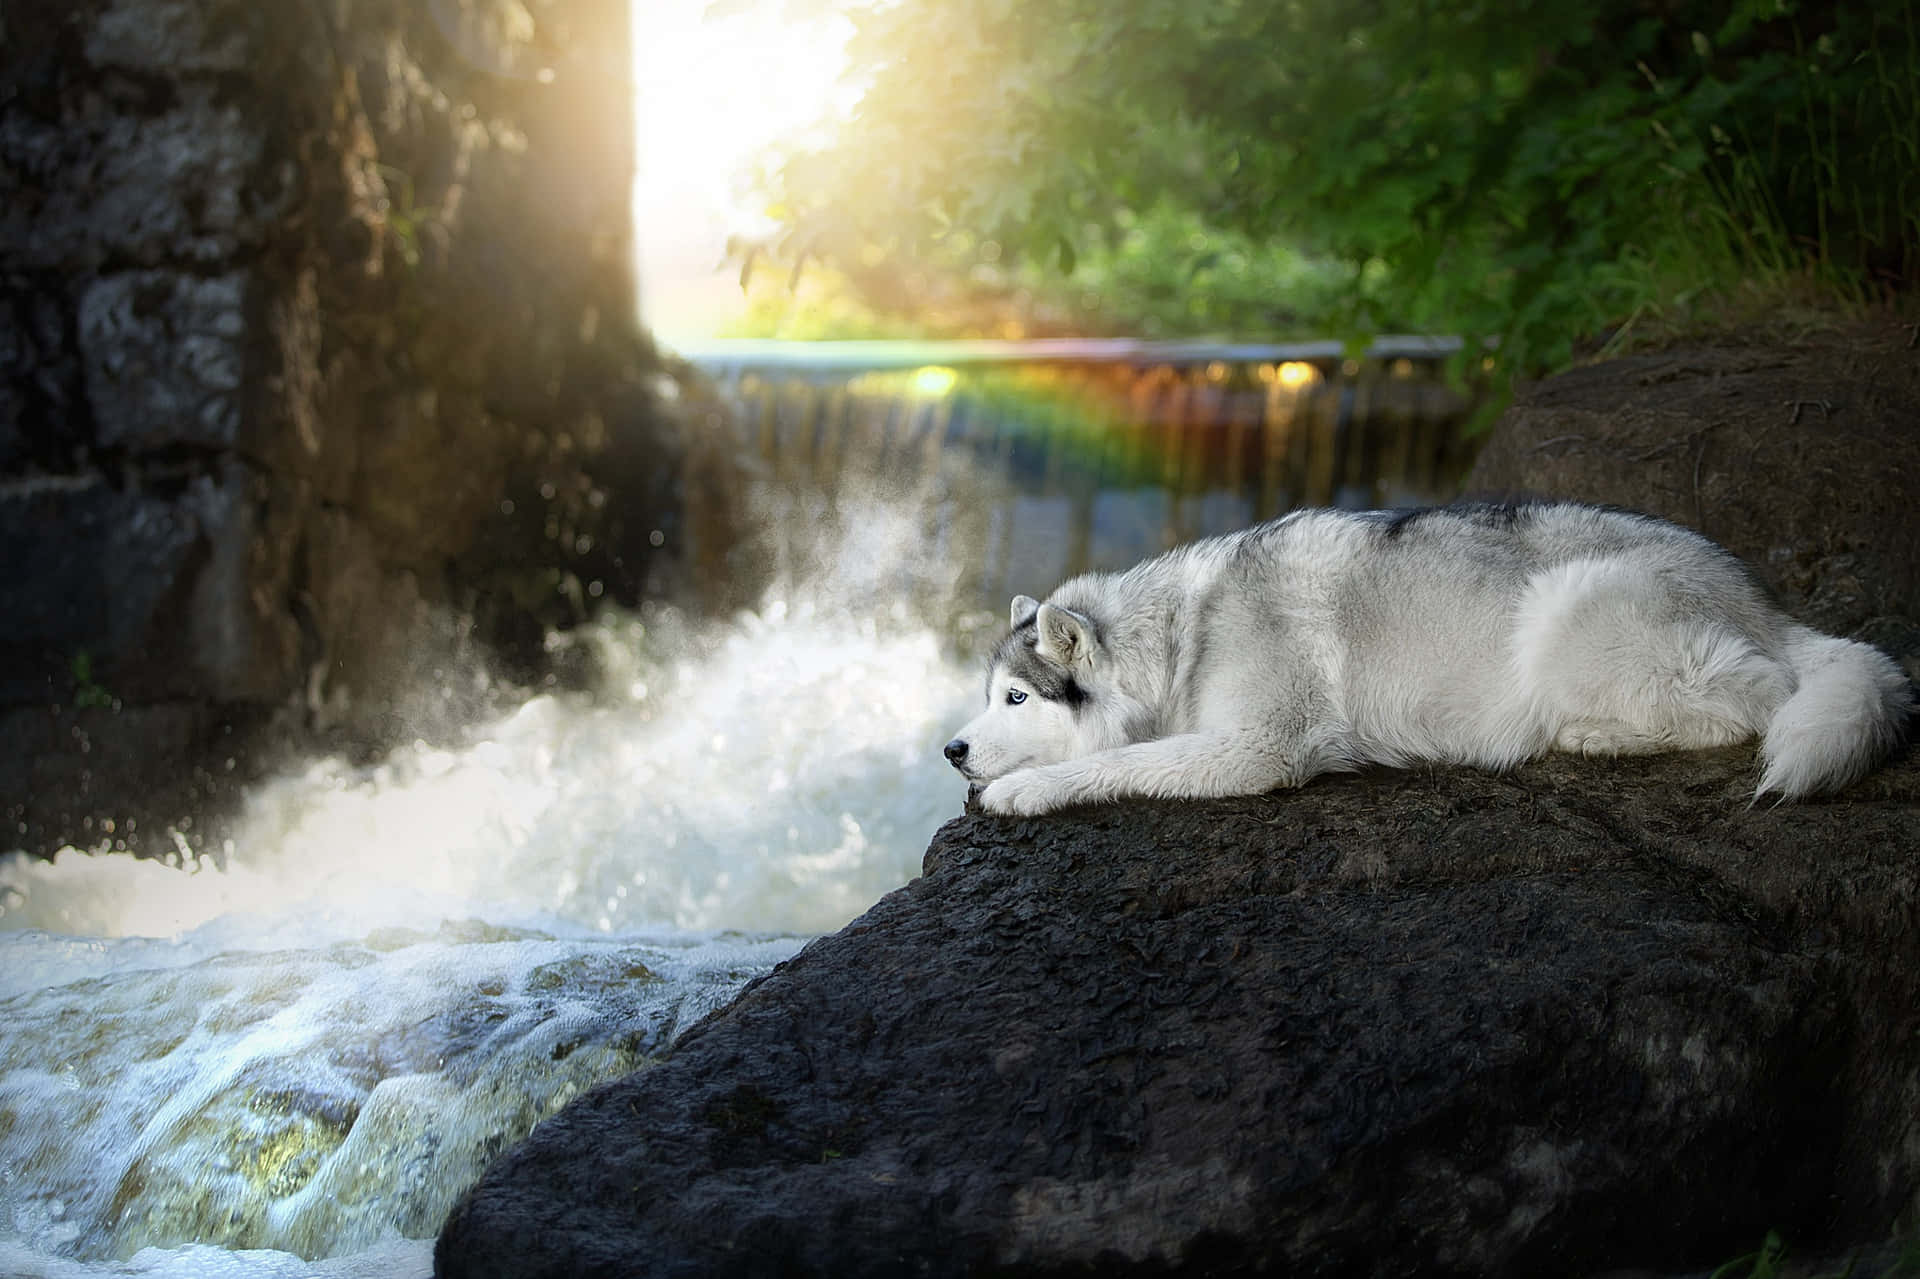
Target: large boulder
[{"x": 1589, "y": 1014}]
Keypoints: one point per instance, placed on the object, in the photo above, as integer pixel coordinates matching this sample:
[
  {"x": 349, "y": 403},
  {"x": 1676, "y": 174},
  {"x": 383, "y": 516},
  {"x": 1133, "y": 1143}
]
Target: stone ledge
[{"x": 1585, "y": 1015}]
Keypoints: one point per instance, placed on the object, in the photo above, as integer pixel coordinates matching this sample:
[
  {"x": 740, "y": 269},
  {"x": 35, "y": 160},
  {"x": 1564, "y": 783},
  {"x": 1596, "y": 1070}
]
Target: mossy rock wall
[{"x": 319, "y": 370}]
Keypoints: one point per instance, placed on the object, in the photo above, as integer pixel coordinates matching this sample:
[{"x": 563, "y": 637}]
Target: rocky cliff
[{"x": 318, "y": 372}]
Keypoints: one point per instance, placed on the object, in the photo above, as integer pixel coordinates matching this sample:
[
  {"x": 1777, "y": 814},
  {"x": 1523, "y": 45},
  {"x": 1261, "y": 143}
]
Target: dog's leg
[
  {"x": 1618, "y": 661},
  {"x": 1186, "y": 766}
]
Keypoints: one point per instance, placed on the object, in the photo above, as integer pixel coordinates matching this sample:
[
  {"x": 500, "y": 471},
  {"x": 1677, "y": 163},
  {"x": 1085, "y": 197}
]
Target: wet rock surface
[{"x": 1588, "y": 1015}]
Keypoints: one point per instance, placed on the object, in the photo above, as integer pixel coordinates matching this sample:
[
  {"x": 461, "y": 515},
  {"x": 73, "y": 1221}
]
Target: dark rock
[
  {"x": 154, "y": 592},
  {"x": 110, "y": 778},
  {"x": 165, "y": 358},
  {"x": 1589, "y": 1015},
  {"x": 40, "y": 395},
  {"x": 173, "y": 37},
  {"x": 1797, "y": 456},
  {"x": 77, "y": 533}
]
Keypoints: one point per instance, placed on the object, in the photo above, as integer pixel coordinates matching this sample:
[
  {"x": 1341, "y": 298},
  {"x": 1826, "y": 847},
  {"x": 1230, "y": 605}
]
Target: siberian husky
[{"x": 1476, "y": 634}]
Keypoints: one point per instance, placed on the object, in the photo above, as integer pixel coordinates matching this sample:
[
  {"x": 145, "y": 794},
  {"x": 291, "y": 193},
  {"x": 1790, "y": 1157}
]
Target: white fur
[
  {"x": 1328, "y": 641},
  {"x": 1839, "y": 722}
]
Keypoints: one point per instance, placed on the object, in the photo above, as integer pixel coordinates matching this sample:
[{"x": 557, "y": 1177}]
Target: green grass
[{"x": 1773, "y": 1260}]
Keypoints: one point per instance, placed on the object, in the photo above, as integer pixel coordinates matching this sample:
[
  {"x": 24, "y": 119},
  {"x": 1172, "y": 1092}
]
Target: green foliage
[
  {"x": 1163, "y": 273},
  {"x": 1763, "y": 1263},
  {"x": 87, "y": 694},
  {"x": 404, "y": 220},
  {"x": 1508, "y": 168},
  {"x": 818, "y": 304},
  {"x": 1773, "y": 1260},
  {"x": 1166, "y": 272}
]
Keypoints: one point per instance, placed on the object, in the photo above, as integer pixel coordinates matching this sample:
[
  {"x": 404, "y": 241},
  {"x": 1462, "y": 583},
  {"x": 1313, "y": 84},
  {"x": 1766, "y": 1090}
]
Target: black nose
[{"x": 956, "y": 752}]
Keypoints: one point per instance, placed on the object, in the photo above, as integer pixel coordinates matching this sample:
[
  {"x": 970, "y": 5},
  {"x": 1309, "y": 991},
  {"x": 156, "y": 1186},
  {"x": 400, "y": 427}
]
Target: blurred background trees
[{"x": 1548, "y": 175}]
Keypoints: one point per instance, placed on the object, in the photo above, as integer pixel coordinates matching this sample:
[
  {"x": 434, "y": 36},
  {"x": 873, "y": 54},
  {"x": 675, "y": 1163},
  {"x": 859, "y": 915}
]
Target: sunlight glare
[
  {"x": 934, "y": 381},
  {"x": 1295, "y": 374},
  {"x": 713, "y": 90}
]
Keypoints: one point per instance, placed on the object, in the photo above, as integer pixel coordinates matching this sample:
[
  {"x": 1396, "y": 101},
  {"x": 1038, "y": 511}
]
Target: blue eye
[{"x": 1015, "y": 697}]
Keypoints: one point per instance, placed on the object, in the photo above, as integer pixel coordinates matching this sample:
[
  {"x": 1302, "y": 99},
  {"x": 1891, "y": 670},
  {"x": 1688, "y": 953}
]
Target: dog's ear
[
  {"x": 1065, "y": 636},
  {"x": 1024, "y": 607}
]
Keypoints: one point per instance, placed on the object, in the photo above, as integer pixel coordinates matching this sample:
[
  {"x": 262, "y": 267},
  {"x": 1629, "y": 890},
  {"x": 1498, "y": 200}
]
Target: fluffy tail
[{"x": 1849, "y": 710}]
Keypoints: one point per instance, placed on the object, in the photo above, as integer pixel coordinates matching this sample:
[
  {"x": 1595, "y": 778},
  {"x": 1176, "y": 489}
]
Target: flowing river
[{"x": 291, "y": 1058}]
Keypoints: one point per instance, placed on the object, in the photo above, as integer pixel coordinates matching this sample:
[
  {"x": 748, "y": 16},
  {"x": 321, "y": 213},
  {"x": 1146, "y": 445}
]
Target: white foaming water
[
  {"x": 780, "y": 777},
  {"x": 292, "y": 1062}
]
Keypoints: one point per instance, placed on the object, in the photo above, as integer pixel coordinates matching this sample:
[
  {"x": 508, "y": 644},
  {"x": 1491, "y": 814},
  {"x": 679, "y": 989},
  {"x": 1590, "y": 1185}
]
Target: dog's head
[{"x": 1044, "y": 686}]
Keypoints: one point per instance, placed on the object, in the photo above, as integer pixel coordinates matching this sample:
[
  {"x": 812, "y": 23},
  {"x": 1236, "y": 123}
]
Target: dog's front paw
[{"x": 1022, "y": 794}]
